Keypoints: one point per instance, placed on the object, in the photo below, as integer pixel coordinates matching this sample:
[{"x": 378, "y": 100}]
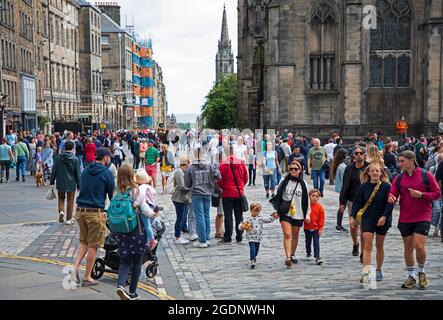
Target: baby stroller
[
  {"x": 46, "y": 172},
  {"x": 111, "y": 261}
]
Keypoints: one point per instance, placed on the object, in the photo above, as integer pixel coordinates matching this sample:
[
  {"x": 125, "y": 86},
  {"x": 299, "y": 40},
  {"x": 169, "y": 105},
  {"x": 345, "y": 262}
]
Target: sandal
[
  {"x": 87, "y": 283},
  {"x": 288, "y": 262}
]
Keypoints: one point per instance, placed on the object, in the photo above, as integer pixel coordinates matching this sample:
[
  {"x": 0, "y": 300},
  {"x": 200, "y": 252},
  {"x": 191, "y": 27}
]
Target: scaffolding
[{"x": 143, "y": 80}]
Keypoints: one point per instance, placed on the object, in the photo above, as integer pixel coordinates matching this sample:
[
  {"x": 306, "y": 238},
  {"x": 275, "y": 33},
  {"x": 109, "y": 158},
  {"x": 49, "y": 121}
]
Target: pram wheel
[
  {"x": 151, "y": 270},
  {"x": 98, "y": 269}
]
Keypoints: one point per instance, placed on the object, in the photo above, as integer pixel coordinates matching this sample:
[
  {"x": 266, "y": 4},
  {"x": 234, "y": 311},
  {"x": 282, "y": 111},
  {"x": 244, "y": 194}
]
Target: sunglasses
[
  {"x": 294, "y": 169},
  {"x": 358, "y": 153}
]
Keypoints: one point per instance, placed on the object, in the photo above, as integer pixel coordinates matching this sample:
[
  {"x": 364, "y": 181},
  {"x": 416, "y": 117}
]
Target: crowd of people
[{"x": 208, "y": 169}]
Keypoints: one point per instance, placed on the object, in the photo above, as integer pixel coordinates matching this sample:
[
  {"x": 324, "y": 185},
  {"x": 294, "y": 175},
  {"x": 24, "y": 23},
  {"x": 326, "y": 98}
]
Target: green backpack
[{"x": 122, "y": 217}]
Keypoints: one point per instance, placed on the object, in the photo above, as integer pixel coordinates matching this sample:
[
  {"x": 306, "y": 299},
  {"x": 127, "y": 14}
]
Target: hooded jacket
[
  {"x": 66, "y": 172},
  {"x": 97, "y": 182},
  {"x": 200, "y": 178}
]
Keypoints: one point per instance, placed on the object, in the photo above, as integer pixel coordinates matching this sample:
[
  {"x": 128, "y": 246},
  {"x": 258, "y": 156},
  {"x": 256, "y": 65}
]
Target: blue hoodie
[{"x": 97, "y": 181}]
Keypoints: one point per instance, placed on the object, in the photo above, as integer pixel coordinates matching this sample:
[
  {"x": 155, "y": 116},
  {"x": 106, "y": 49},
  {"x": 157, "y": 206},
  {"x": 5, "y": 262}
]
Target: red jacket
[
  {"x": 227, "y": 182},
  {"x": 317, "y": 218},
  {"x": 90, "y": 150}
]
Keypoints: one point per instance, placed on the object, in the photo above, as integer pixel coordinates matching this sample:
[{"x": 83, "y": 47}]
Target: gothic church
[{"x": 313, "y": 66}]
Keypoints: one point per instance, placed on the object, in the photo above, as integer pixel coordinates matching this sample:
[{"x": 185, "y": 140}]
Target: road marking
[{"x": 142, "y": 286}]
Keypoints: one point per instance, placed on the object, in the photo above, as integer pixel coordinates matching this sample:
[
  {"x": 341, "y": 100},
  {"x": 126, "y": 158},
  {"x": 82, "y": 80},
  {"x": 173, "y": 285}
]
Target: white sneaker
[
  {"x": 61, "y": 217},
  {"x": 200, "y": 245},
  {"x": 193, "y": 237},
  {"x": 181, "y": 241},
  {"x": 69, "y": 222}
]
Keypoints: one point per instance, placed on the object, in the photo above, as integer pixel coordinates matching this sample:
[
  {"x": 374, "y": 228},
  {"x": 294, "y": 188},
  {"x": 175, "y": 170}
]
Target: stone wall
[{"x": 353, "y": 107}]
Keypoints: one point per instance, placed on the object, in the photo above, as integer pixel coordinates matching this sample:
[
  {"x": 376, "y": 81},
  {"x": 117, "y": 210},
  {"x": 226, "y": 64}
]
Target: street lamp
[{"x": 2, "y": 109}]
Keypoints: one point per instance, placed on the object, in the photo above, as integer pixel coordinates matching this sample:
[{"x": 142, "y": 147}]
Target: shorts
[
  {"x": 151, "y": 169},
  {"x": 165, "y": 173},
  {"x": 372, "y": 228},
  {"x": 408, "y": 229},
  {"x": 293, "y": 222},
  {"x": 92, "y": 227}
]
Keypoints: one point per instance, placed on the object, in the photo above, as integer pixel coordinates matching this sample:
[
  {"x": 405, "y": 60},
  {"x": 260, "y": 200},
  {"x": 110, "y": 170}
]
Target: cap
[
  {"x": 151, "y": 141},
  {"x": 101, "y": 153}
]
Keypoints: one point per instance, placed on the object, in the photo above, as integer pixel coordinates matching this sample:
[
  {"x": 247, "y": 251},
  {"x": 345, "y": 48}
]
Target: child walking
[
  {"x": 38, "y": 160},
  {"x": 253, "y": 225},
  {"x": 314, "y": 229}
]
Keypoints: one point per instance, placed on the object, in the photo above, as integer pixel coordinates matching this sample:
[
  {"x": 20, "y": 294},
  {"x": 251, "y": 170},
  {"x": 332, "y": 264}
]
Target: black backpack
[
  {"x": 423, "y": 174},
  {"x": 280, "y": 153}
]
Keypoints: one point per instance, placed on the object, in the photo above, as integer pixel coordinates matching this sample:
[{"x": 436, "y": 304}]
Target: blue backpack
[{"x": 122, "y": 217}]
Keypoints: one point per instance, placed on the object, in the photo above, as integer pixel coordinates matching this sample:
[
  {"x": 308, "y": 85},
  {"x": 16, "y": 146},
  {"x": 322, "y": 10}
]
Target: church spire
[
  {"x": 224, "y": 33},
  {"x": 224, "y": 60}
]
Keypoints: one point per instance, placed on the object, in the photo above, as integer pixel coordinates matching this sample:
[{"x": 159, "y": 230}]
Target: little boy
[
  {"x": 253, "y": 225},
  {"x": 314, "y": 229}
]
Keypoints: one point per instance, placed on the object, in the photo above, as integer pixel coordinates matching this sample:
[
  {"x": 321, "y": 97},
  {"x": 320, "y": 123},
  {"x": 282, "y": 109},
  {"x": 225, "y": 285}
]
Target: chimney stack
[{"x": 111, "y": 9}]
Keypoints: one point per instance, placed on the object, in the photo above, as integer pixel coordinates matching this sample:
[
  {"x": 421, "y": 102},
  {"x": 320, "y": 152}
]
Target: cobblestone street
[{"x": 222, "y": 271}]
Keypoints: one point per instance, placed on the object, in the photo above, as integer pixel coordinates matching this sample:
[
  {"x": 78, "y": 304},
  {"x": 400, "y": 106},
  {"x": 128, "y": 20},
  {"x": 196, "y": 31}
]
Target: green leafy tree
[{"x": 220, "y": 108}]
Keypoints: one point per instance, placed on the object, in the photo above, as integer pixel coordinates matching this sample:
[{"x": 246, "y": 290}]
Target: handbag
[
  {"x": 12, "y": 164},
  {"x": 285, "y": 206},
  {"x": 368, "y": 203},
  {"x": 50, "y": 195},
  {"x": 215, "y": 198},
  {"x": 243, "y": 199}
]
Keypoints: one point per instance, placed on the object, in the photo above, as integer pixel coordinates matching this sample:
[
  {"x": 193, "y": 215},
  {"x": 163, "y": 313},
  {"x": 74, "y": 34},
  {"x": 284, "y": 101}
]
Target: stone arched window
[
  {"x": 323, "y": 25},
  {"x": 258, "y": 16},
  {"x": 391, "y": 45}
]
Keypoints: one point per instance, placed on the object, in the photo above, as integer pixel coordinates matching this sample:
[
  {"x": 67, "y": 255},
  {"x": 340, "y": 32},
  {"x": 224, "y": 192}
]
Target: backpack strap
[
  {"x": 399, "y": 180},
  {"x": 424, "y": 175}
]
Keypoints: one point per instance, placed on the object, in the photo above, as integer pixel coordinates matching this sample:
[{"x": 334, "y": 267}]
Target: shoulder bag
[
  {"x": 285, "y": 205},
  {"x": 368, "y": 203},
  {"x": 243, "y": 199}
]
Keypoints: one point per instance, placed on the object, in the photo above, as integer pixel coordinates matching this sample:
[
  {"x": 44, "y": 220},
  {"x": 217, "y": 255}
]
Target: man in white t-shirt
[
  {"x": 287, "y": 150},
  {"x": 330, "y": 154},
  {"x": 213, "y": 147}
]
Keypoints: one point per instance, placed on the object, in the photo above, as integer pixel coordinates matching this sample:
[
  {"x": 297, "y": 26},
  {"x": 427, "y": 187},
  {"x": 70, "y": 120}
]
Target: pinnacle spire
[{"x": 224, "y": 33}]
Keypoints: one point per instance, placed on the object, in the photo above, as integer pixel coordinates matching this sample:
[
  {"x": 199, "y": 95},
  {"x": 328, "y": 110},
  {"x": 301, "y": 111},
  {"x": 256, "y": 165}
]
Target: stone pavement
[
  {"x": 28, "y": 228},
  {"x": 28, "y": 280},
  {"x": 222, "y": 270}
]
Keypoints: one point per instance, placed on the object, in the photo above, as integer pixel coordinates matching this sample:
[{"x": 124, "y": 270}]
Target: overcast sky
[{"x": 185, "y": 36}]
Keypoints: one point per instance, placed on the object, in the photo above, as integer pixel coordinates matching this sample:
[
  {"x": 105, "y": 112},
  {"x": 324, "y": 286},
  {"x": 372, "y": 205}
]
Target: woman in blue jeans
[
  {"x": 270, "y": 167},
  {"x": 200, "y": 178},
  {"x": 131, "y": 246},
  {"x": 21, "y": 154}
]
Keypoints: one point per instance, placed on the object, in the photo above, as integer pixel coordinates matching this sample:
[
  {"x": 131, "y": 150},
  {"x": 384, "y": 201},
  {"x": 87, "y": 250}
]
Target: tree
[{"x": 220, "y": 108}]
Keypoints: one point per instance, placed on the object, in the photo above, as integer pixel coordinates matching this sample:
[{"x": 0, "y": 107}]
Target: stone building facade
[
  {"x": 20, "y": 64},
  {"x": 61, "y": 58},
  {"x": 91, "y": 111},
  {"x": 160, "y": 102},
  {"x": 224, "y": 60},
  {"x": 314, "y": 67},
  {"x": 116, "y": 45}
]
